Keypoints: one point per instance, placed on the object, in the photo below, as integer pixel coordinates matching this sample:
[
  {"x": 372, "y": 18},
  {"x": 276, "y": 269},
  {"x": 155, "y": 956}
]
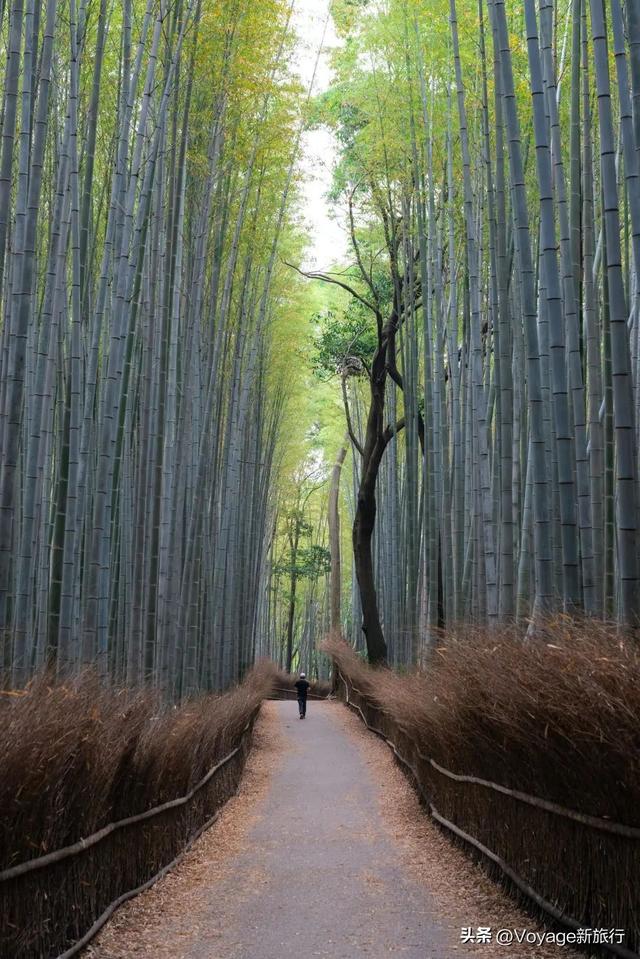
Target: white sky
[{"x": 328, "y": 238}]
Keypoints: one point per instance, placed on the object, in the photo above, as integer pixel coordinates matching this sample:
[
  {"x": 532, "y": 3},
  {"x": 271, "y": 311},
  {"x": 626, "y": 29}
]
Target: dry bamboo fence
[
  {"x": 577, "y": 870},
  {"x": 101, "y": 871}
]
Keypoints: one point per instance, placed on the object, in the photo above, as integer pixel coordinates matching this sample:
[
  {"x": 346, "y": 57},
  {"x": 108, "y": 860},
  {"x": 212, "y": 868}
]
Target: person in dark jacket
[{"x": 302, "y": 687}]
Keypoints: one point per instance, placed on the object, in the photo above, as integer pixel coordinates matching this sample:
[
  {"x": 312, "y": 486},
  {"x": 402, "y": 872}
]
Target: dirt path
[{"x": 324, "y": 852}]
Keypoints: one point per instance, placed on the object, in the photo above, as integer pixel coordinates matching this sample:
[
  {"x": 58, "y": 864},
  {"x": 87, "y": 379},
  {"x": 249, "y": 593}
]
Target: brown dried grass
[
  {"x": 555, "y": 715},
  {"x": 202, "y": 896},
  {"x": 540, "y": 715},
  {"x": 76, "y": 756}
]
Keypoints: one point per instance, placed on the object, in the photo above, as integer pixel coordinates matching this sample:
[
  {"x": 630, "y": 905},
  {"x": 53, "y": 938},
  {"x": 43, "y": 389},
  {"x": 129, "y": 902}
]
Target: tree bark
[{"x": 334, "y": 539}]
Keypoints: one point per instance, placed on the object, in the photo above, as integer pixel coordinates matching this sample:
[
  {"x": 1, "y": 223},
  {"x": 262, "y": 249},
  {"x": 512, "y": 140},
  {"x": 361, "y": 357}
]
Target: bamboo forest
[
  {"x": 319, "y": 383},
  {"x": 178, "y": 379}
]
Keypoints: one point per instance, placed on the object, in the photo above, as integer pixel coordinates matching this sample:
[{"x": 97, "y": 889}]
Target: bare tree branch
[
  {"x": 326, "y": 278},
  {"x": 367, "y": 277},
  {"x": 392, "y": 430},
  {"x": 354, "y": 438}
]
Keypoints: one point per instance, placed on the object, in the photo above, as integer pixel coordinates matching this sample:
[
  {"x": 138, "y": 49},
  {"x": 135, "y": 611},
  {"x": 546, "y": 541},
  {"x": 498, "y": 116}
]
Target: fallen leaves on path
[
  {"x": 457, "y": 891},
  {"x": 165, "y": 921}
]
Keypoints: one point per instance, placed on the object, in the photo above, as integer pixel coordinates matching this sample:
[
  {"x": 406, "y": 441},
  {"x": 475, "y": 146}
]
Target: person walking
[{"x": 302, "y": 687}]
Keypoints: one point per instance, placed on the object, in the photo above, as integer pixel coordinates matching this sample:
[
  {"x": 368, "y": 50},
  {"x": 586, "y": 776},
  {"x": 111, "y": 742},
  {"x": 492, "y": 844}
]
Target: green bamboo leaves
[
  {"x": 527, "y": 251},
  {"x": 144, "y": 197}
]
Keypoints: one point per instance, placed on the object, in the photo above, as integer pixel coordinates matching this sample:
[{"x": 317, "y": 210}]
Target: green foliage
[
  {"x": 311, "y": 562},
  {"x": 344, "y": 344}
]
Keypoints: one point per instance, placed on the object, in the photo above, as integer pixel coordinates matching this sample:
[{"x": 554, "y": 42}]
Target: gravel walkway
[{"x": 324, "y": 852}]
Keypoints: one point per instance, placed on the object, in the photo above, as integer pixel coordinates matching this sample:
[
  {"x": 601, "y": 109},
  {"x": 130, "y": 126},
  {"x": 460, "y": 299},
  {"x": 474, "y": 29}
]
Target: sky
[{"x": 328, "y": 237}]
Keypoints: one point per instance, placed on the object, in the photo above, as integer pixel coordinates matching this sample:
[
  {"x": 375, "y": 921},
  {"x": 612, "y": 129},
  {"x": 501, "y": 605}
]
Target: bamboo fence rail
[
  {"x": 598, "y": 911},
  {"x": 41, "y": 905}
]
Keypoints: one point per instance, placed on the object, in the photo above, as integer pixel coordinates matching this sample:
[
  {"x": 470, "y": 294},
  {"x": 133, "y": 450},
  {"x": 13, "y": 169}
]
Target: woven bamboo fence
[
  {"x": 53, "y": 905},
  {"x": 577, "y": 870}
]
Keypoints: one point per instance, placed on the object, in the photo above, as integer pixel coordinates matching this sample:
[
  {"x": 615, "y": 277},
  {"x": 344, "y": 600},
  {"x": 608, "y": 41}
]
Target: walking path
[{"x": 323, "y": 853}]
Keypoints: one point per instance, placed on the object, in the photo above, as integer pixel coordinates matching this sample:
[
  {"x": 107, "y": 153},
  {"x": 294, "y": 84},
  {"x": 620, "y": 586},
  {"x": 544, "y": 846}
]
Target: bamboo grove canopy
[
  {"x": 490, "y": 351},
  {"x": 479, "y": 345},
  {"x": 147, "y": 152}
]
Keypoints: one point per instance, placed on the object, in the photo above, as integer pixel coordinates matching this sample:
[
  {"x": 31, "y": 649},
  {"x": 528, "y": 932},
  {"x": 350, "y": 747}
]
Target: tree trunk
[
  {"x": 363, "y": 527},
  {"x": 334, "y": 539}
]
